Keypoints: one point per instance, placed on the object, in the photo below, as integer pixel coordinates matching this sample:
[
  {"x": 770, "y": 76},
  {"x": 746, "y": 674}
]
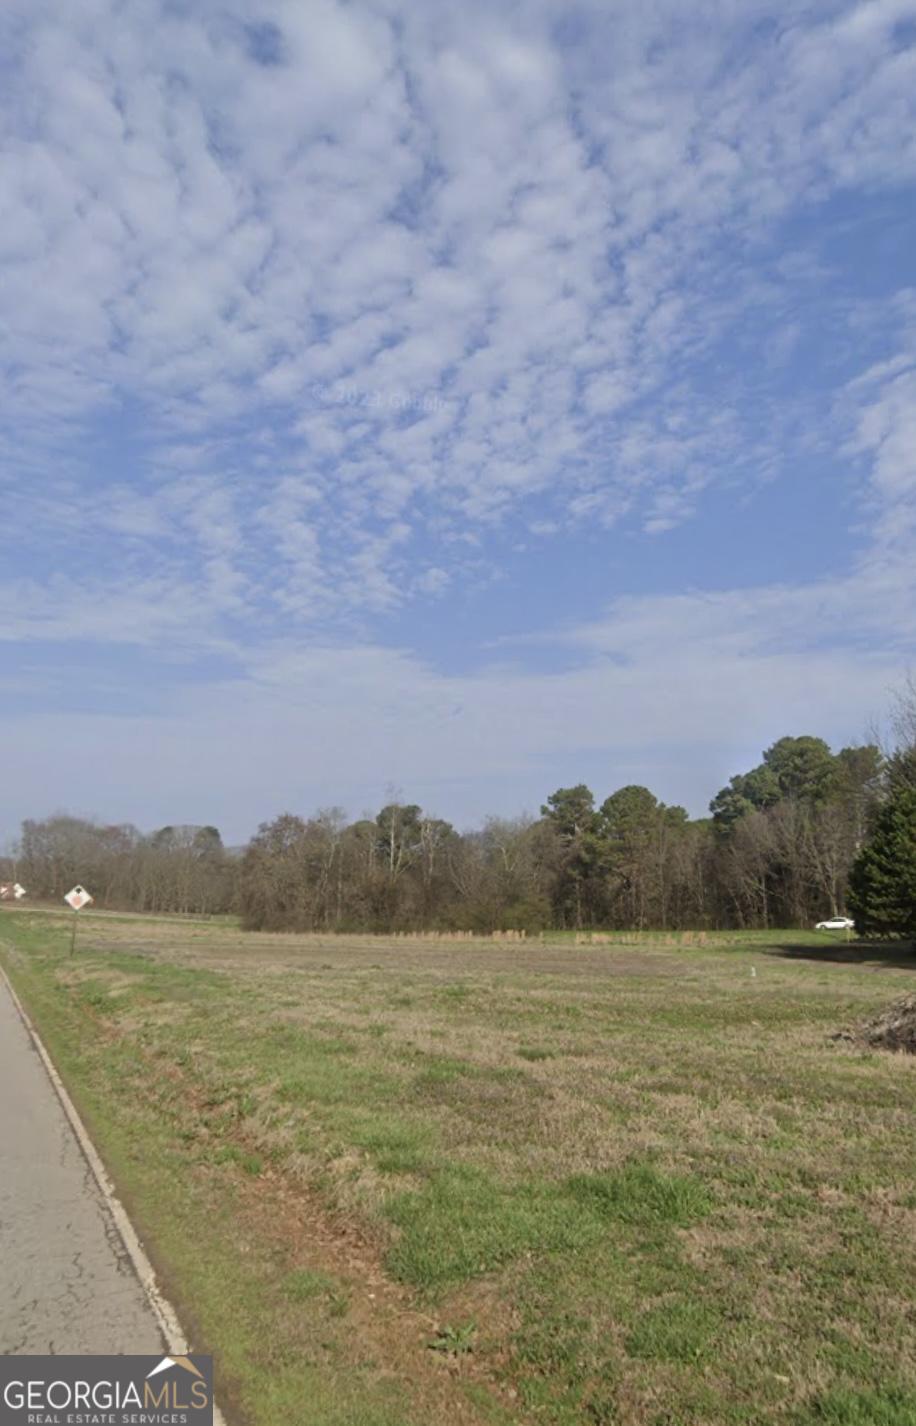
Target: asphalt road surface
[{"x": 67, "y": 1285}]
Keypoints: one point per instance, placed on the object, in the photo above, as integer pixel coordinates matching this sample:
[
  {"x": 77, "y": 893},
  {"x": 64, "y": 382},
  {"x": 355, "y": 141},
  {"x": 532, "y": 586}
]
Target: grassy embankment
[{"x": 392, "y": 1183}]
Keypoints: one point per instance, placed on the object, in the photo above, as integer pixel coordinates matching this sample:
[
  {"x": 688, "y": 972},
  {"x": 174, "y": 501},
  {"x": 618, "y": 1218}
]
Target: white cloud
[
  {"x": 301, "y": 304},
  {"x": 883, "y": 402},
  {"x": 414, "y": 204}
]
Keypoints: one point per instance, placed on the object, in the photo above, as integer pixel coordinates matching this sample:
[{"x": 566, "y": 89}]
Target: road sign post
[{"x": 76, "y": 899}]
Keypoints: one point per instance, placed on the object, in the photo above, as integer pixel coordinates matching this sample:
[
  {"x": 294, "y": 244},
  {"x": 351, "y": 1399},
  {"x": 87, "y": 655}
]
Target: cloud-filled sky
[{"x": 467, "y": 399}]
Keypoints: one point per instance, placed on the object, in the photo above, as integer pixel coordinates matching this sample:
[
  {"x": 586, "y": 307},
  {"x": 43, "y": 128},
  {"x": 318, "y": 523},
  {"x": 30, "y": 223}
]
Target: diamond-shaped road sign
[{"x": 78, "y": 898}]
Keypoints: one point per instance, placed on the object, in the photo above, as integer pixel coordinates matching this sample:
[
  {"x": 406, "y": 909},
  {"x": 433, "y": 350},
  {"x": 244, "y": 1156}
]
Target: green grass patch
[
  {"x": 884, "y": 1406},
  {"x": 639, "y": 1194},
  {"x": 231, "y": 1154},
  {"x": 397, "y": 1145},
  {"x": 464, "y": 1224},
  {"x": 305, "y": 1285},
  {"x": 674, "y": 1332}
]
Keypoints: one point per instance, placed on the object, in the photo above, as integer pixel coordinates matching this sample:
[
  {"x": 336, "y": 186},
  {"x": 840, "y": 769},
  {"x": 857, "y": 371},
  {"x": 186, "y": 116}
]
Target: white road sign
[{"x": 78, "y": 898}]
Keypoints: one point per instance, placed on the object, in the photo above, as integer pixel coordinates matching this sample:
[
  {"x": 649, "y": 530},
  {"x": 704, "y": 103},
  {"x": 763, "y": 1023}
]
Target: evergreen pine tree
[{"x": 882, "y": 883}]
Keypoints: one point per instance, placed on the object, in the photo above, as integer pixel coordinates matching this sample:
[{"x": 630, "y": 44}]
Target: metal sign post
[{"x": 77, "y": 899}]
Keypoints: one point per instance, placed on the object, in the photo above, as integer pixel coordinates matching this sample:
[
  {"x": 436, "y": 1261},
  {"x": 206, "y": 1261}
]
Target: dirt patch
[
  {"x": 383, "y": 1323},
  {"x": 892, "y": 1029}
]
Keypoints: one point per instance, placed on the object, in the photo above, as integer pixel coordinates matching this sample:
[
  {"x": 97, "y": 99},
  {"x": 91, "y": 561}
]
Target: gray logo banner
[{"x": 106, "y": 1391}]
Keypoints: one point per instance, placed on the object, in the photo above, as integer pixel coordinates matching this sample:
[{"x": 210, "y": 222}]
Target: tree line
[
  {"x": 801, "y": 836},
  {"x": 175, "y": 869}
]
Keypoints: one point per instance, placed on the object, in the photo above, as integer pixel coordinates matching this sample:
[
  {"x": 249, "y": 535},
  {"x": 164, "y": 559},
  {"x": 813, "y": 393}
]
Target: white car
[{"x": 836, "y": 923}]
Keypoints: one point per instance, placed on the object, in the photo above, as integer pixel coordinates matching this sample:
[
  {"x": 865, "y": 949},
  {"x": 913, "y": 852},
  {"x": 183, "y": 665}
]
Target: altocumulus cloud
[{"x": 330, "y": 333}]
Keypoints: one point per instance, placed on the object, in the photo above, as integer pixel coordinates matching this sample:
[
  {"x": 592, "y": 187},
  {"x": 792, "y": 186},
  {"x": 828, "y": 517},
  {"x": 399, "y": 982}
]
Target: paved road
[{"x": 66, "y": 1282}]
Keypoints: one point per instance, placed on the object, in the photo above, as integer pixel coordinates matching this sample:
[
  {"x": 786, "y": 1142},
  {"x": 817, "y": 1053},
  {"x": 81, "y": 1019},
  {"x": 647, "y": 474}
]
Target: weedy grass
[
  {"x": 652, "y": 1181},
  {"x": 305, "y": 1284},
  {"x": 881, "y": 1407},
  {"x": 638, "y": 1193}
]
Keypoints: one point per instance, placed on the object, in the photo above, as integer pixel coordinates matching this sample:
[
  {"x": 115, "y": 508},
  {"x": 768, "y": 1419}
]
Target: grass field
[{"x": 397, "y": 1183}]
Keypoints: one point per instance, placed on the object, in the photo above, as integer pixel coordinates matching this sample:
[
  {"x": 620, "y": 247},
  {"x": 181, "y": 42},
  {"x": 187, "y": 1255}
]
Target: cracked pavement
[{"x": 67, "y": 1285}]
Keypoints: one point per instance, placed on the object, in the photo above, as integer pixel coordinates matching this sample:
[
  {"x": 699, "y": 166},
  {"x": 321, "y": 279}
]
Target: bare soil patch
[{"x": 892, "y": 1029}]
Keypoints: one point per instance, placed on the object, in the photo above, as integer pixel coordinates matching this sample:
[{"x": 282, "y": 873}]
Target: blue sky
[{"x": 467, "y": 400}]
